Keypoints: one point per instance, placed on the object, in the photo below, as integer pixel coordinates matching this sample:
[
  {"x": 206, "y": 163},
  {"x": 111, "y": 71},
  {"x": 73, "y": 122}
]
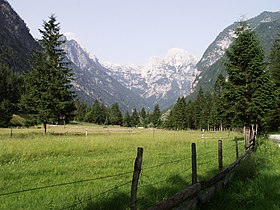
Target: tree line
[
  {"x": 101, "y": 114},
  {"x": 249, "y": 94}
]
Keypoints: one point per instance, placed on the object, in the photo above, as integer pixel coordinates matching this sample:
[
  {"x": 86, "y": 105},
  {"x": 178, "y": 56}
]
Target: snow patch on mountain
[{"x": 162, "y": 79}]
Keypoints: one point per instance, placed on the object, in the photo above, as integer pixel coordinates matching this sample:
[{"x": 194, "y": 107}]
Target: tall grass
[
  {"x": 31, "y": 160},
  {"x": 256, "y": 184}
]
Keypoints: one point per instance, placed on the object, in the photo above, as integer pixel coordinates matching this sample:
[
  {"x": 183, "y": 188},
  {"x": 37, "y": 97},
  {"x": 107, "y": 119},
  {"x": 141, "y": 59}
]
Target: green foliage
[
  {"x": 115, "y": 116},
  {"x": 255, "y": 184},
  {"x": 274, "y": 67},
  {"x": 97, "y": 114},
  {"x": 10, "y": 85},
  {"x": 81, "y": 111},
  {"x": 155, "y": 116},
  {"x": 47, "y": 87},
  {"x": 135, "y": 120},
  {"x": 127, "y": 120},
  {"x": 248, "y": 83}
]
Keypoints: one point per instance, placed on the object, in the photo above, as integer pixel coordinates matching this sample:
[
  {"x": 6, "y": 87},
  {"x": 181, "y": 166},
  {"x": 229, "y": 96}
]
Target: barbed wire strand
[
  {"x": 163, "y": 180},
  {"x": 166, "y": 163},
  {"x": 63, "y": 184}
]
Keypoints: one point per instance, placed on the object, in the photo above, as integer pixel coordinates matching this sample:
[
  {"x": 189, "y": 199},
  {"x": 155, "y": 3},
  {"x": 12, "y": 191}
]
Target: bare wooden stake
[
  {"x": 220, "y": 155},
  {"x": 236, "y": 148},
  {"x": 194, "y": 164},
  {"x": 11, "y": 135},
  {"x": 135, "y": 178}
]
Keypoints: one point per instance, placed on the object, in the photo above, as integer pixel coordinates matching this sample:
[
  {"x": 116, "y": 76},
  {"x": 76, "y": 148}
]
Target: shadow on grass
[
  {"x": 250, "y": 189},
  {"x": 153, "y": 193},
  {"x": 114, "y": 200}
]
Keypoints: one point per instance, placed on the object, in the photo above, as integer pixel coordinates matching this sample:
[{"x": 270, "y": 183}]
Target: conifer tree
[
  {"x": 47, "y": 87},
  {"x": 10, "y": 85},
  {"x": 248, "y": 83},
  {"x": 127, "y": 120},
  {"x": 143, "y": 117},
  {"x": 274, "y": 67},
  {"x": 135, "y": 118},
  {"x": 115, "y": 115},
  {"x": 155, "y": 117}
]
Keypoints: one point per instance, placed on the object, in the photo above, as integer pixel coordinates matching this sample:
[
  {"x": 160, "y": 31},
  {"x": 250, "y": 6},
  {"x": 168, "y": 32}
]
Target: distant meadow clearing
[{"x": 90, "y": 167}]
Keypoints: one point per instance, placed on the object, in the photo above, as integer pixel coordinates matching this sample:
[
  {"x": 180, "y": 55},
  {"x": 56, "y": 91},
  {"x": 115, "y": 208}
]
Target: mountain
[
  {"x": 91, "y": 81},
  {"x": 16, "y": 42},
  {"x": 266, "y": 26},
  {"x": 161, "y": 80}
]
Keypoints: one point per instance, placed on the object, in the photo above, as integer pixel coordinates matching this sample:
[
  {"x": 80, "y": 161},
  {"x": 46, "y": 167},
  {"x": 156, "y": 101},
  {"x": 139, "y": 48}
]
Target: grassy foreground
[
  {"x": 256, "y": 185},
  {"x": 67, "y": 170}
]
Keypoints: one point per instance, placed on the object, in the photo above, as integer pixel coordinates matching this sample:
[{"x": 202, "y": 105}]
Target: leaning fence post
[
  {"x": 135, "y": 178},
  {"x": 194, "y": 165},
  {"x": 220, "y": 155},
  {"x": 236, "y": 148}
]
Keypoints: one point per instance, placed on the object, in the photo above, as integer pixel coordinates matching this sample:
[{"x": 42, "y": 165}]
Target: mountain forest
[{"x": 38, "y": 86}]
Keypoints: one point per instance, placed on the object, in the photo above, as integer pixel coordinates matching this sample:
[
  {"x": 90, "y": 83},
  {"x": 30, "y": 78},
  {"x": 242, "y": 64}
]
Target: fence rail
[
  {"x": 190, "y": 194},
  {"x": 197, "y": 192}
]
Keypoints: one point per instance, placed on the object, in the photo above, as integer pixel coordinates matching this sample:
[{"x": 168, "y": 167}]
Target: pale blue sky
[{"x": 131, "y": 31}]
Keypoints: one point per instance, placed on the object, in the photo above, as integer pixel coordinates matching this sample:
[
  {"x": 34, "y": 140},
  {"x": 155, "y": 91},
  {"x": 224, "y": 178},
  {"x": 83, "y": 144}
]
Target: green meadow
[
  {"x": 256, "y": 184},
  {"x": 67, "y": 169}
]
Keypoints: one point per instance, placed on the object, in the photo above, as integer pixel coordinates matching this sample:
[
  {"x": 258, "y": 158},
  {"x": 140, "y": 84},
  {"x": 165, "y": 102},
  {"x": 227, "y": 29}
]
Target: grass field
[
  {"x": 66, "y": 169},
  {"x": 256, "y": 185}
]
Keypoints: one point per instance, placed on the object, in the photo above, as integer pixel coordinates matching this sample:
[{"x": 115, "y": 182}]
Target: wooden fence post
[
  {"x": 244, "y": 134},
  {"x": 220, "y": 155},
  {"x": 236, "y": 148},
  {"x": 11, "y": 135},
  {"x": 194, "y": 164},
  {"x": 135, "y": 178}
]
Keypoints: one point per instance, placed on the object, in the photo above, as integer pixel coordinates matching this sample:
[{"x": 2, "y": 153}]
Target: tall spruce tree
[
  {"x": 135, "y": 120},
  {"x": 116, "y": 115},
  {"x": 216, "y": 118},
  {"x": 248, "y": 82},
  {"x": 47, "y": 87},
  {"x": 274, "y": 67},
  {"x": 155, "y": 117}
]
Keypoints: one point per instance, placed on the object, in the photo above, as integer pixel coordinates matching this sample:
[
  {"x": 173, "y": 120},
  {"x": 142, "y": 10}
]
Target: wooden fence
[{"x": 198, "y": 192}]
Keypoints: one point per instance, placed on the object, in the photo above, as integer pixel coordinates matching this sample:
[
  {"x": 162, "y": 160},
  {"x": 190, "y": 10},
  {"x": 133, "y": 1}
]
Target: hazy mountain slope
[
  {"x": 266, "y": 26},
  {"x": 92, "y": 82}
]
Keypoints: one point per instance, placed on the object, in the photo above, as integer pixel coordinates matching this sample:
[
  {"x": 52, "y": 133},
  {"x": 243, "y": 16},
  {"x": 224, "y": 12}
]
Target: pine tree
[
  {"x": 47, "y": 87},
  {"x": 115, "y": 115},
  {"x": 274, "y": 67},
  {"x": 135, "y": 120},
  {"x": 81, "y": 111},
  {"x": 155, "y": 117},
  {"x": 200, "y": 111},
  {"x": 178, "y": 116},
  {"x": 246, "y": 75},
  {"x": 216, "y": 118},
  {"x": 143, "y": 117},
  {"x": 127, "y": 120}
]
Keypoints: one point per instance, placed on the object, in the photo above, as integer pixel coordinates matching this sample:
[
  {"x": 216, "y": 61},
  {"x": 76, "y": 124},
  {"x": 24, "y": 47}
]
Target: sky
[{"x": 131, "y": 31}]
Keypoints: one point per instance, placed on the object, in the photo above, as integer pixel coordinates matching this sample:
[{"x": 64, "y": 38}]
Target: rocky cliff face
[
  {"x": 266, "y": 26},
  {"x": 161, "y": 80},
  {"x": 16, "y": 43},
  {"x": 93, "y": 83}
]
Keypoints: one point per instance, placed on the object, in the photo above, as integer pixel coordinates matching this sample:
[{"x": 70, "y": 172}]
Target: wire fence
[{"x": 148, "y": 179}]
